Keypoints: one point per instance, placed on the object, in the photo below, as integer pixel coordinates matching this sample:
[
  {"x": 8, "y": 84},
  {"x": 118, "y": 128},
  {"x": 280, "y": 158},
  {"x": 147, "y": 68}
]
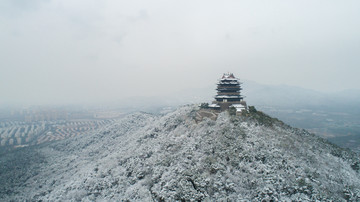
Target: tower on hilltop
[{"x": 228, "y": 94}]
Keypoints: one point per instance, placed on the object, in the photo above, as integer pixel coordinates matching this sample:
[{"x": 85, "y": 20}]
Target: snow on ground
[{"x": 145, "y": 157}]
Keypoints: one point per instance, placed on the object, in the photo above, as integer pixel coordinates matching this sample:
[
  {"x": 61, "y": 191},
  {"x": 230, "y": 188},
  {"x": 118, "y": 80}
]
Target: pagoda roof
[
  {"x": 239, "y": 107},
  {"x": 228, "y": 76},
  {"x": 228, "y": 96},
  {"x": 214, "y": 106},
  {"x": 229, "y": 82},
  {"x": 229, "y": 79}
]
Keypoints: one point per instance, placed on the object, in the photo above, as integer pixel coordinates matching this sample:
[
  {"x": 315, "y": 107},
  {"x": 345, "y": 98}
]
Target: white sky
[{"x": 67, "y": 51}]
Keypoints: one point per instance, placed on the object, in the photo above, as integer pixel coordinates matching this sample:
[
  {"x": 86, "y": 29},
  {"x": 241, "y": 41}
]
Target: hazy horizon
[{"x": 64, "y": 52}]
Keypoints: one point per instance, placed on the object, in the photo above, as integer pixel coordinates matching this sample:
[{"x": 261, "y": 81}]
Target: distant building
[{"x": 228, "y": 94}]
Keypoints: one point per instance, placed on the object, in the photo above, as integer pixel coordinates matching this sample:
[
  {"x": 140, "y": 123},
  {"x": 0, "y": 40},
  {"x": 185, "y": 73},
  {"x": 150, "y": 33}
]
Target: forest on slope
[{"x": 173, "y": 157}]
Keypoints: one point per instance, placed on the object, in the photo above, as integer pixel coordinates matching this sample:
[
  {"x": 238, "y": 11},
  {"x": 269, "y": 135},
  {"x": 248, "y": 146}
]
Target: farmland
[{"x": 15, "y": 134}]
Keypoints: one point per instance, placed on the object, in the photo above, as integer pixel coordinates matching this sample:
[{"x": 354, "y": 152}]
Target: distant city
[{"x": 38, "y": 125}]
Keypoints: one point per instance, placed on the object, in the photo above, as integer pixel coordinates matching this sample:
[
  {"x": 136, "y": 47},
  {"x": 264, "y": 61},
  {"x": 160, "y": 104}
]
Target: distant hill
[
  {"x": 171, "y": 157},
  {"x": 283, "y": 96}
]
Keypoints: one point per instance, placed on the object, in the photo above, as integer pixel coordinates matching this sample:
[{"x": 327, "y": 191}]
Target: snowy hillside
[{"x": 144, "y": 157}]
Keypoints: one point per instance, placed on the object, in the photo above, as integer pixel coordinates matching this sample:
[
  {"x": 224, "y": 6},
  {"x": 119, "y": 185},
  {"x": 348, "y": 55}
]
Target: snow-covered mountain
[{"x": 172, "y": 157}]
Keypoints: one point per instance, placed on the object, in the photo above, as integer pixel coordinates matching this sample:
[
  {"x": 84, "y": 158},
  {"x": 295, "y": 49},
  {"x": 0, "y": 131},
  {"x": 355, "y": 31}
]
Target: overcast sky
[{"x": 65, "y": 51}]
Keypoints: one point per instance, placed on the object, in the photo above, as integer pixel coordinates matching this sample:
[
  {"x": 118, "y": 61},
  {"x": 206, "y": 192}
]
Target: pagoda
[{"x": 228, "y": 94}]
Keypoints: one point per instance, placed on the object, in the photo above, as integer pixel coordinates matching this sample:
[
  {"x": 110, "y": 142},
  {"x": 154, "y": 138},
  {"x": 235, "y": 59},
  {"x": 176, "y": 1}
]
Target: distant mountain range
[
  {"x": 295, "y": 97},
  {"x": 281, "y": 96}
]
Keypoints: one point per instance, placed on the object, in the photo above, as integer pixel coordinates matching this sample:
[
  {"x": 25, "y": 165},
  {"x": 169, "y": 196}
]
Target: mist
[{"x": 65, "y": 52}]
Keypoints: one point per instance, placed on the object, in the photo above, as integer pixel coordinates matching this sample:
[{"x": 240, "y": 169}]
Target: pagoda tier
[
  {"x": 228, "y": 89},
  {"x": 226, "y": 93},
  {"x": 220, "y": 98}
]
